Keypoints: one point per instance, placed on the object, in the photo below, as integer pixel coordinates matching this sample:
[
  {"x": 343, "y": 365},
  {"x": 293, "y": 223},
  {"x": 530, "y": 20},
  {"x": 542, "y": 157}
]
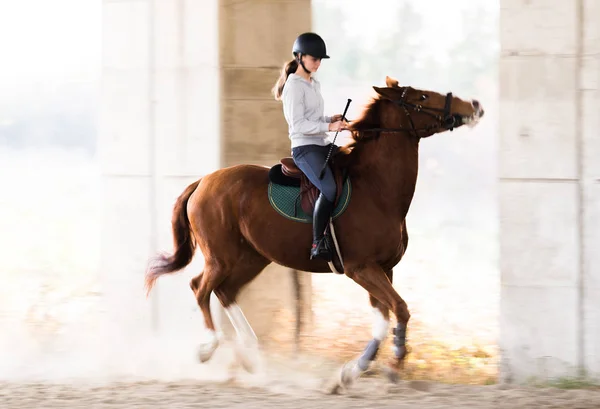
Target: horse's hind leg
[
  {"x": 227, "y": 291},
  {"x": 202, "y": 286}
]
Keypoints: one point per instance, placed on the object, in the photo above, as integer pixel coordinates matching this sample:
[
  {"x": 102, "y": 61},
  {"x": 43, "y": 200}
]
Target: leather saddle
[{"x": 288, "y": 174}]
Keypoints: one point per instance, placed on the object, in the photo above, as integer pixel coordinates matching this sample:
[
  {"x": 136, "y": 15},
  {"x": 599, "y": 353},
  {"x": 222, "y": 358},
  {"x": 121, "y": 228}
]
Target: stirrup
[{"x": 321, "y": 250}]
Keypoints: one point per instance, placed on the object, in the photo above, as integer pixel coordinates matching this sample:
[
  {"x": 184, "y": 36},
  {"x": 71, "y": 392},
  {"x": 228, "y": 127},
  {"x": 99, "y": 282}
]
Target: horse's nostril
[{"x": 478, "y": 108}]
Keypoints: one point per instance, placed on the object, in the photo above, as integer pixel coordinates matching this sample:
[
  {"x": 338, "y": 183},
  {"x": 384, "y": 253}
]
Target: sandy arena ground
[
  {"x": 368, "y": 393},
  {"x": 173, "y": 381}
]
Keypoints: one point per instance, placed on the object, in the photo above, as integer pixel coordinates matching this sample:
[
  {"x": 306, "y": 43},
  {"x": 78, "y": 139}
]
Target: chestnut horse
[{"x": 228, "y": 215}]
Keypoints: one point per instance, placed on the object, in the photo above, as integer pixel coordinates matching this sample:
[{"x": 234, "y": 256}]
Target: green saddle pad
[{"x": 285, "y": 198}]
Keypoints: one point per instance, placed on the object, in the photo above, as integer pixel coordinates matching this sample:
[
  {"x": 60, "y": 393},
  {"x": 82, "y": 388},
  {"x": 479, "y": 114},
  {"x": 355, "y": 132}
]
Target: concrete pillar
[
  {"x": 256, "y": 39},
  {"x": 185, "y": 91},
  {"x": 159, "y": 131},
  {"x": 549, "y": 189}
]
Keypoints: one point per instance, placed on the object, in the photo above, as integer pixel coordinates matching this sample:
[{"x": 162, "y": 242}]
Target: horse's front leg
[
  {"x": 352, "y": 370},
  {"x": 383, "y": 297},
  {"x": 380, "y": 328}
]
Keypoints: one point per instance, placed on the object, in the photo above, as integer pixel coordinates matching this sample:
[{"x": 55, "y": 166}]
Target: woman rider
[{"x": 303, "y": 110}]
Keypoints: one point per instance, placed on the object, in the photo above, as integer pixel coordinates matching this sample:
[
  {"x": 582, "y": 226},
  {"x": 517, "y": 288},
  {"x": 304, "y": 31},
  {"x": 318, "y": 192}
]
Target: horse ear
[
  {"x": 387, "y": 93},
  {"x": 391, "y": 82}
]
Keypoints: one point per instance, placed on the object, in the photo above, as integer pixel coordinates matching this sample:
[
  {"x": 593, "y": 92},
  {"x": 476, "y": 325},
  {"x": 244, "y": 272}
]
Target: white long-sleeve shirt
[{"x": 303, "y": 108}]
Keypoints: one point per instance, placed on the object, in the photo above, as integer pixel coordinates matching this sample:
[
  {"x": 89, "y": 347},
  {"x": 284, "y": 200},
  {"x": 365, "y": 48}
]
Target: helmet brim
[{"x": 295, "y": 53}]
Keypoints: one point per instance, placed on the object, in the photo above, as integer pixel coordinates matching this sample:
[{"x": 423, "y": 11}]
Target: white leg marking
[
  {"x": 247, "y": 345},
  {"x": 208, "y": 346},
  {"x": 211, "y": 337},
  {"x": 240, "y": 323},
  {"x": 216, "y": 310},
  {"x": 380, "y": 325},
  {"x": 352, "y": 370}
]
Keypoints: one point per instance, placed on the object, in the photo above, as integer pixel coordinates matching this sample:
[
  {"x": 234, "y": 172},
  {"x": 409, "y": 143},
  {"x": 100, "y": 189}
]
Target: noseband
[{"x": 442, "y": 117}]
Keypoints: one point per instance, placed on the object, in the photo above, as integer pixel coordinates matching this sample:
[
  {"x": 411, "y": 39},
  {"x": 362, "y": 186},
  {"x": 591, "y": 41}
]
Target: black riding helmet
[{"x": 310, "y": 44}]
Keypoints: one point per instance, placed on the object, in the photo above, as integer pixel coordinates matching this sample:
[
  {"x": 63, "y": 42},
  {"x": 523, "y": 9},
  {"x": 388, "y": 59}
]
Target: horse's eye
[{"x": 424, "y": 97}]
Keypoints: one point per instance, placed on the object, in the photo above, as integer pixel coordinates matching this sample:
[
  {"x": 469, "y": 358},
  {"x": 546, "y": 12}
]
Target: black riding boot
[{"x": 321, "y": 215}]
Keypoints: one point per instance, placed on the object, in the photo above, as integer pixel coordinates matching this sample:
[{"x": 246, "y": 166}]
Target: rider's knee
[{"x": 329, "y": 191}]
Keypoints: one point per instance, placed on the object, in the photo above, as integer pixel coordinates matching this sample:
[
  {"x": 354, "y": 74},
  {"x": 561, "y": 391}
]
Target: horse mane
[{"x": 369, "y": 118}]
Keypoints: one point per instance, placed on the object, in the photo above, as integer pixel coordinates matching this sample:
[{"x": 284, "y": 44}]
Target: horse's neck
[{"x": 389, "y": 166}]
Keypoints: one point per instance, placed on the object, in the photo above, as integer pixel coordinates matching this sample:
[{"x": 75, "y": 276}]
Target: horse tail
[{"x": 183, "y": 237}]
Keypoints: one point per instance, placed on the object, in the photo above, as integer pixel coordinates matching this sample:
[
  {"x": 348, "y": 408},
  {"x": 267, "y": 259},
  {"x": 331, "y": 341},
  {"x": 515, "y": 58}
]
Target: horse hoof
[
  {"x": 206, "y": 350},
  {"x": 349, "y": 373},
  {"x": 393, "y": 369},
  {"x": 333, "y": 388},
  {"x": 392, "y": 375},
  {"x": 247, "y": 356}
]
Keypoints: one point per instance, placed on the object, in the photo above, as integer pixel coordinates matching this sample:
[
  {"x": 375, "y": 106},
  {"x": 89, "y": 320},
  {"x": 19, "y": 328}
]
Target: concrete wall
[
  {"x": 550, "y": 188},
  {"x": 185, "y": 91}
]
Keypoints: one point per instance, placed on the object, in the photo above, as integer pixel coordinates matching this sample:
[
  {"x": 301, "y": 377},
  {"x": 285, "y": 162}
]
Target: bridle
[{"x": 443, "y": 117}]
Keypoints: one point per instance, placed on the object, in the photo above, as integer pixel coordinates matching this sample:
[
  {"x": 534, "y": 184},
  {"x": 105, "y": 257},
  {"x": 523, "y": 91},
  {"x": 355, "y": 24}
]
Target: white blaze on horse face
[
  {"x": 380, "y": 325},
  {"x": 242, "y": 327}
]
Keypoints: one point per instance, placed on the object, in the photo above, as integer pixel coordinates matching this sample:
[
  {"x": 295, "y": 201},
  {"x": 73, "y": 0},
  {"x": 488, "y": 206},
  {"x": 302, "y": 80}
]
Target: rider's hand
[
  {"x": 337, "y": 117},
  {"x": 337, "y": 126}
]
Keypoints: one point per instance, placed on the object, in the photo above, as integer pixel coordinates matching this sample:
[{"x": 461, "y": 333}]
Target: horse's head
[{"x": 422, "y": 112}]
